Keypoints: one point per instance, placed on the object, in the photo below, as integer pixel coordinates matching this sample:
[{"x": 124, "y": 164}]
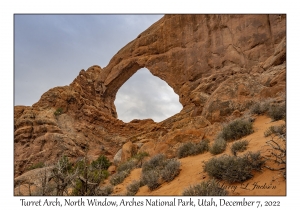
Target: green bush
[
  {"x": 232, "y": 168},
  {"x": 102, "y": 163},
  {"x": 206, "y": 188},
  {"x": 139, "y": 157},
  {"x": 277, "y": 130},
  {"x": 190, "y": 148},
  {"x": 133, "y": 188},
  {"x": 239, "y": 146},
  {"x": 277, "y": 112},
  {"x": 94, "y": 172},
  {"x": 96, "y": 176},
  {"x": 77, "y": 188},
  {"x": 218, "y": 146},
  {"x": 236, "y": 129},
  {"x": 37, "y": 165},
  {"x": 58, "y": 111},
  {"x": 89, "y": 176}
]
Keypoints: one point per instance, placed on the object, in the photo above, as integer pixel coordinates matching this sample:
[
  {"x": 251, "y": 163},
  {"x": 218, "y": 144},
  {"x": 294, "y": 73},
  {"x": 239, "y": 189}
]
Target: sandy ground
[{"x": 263, "y": 183}]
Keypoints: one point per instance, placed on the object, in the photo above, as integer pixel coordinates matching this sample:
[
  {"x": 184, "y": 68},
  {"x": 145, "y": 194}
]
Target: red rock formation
[
  {"x": 217, "y": 64},
  {"x": 185, "y": 49}
]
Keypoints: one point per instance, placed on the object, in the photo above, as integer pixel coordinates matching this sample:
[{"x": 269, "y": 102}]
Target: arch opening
[{"x": 145, "y": 96}]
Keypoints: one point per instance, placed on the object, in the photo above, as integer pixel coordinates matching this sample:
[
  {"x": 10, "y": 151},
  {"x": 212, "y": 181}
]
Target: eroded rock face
[
  {"x": 185, "y": 49},
  {"x": 217, "y": 64}
]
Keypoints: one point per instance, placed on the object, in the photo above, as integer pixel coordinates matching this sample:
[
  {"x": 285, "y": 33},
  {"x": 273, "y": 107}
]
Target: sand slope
[{"x": 266, "y": 182}]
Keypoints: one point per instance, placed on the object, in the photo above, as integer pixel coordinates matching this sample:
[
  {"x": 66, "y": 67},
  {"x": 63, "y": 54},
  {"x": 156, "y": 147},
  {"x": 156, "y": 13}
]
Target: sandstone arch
[
  {"x": 182, "y": 49},
  {"x": 208, "y": 60}
]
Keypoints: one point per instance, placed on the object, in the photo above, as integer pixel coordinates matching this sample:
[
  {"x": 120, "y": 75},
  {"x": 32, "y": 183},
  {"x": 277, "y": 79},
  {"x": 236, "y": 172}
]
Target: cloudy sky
[
  {"x": 146, "y": 96},
  {"x": 50, "y": 50}
]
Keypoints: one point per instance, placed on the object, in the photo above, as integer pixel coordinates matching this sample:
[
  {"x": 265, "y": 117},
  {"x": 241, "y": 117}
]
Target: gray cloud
[
  {"x": 146, "y": 96},
  {"x": 50, "y": 50}
]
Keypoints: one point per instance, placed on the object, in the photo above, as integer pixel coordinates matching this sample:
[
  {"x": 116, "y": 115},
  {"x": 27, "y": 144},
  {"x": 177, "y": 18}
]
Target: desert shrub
[
  {"x": 63, "y": 175},
  {"x": 159, "y": 169},
  {"x": 101, "y": 163},
  {"x": 171, "y": 170},
  {"x": 79, "y": 178},
  {"x": 156, "y": 162},
  {"x": 89, "y": 176},
  {"x": 151, "y": 179},
  {"x": 37, "y": 165},
  {"x": 80, "y": 188},
  {"x": 236, "y": 129},
  {"x": 255, "y": 109},
  {"x": 122, "y": 172},
  {"x": 104, "y": 191},
  {"x": 218, "y": 146},
  {"x": 133, "y": 188},
  {"x": 277, "y": 148},
  {"x": 261, "y": 107},
  {"x": 101, "y": 175},
  {"x": 202, "y": 146},
  {"x": 58, "y": 111},
  {"x": 139, "y": 157},
  {"x": 64, "y": 165},
  {"x": 255, "y": 160},
  {"x": 185, "y": 150},
  {"x": 105, "y": 174},
  {"x": 239, "y": 146},
  {"x": 206, "y": 188},
  {"x": 190, "y": 148},
  {"x": 127, "y": 166},
  {"x": 98, "y": 191},
  {"x": 77, "y": 188},
  {"x": 277, "y": 112},
  {"x": 232, "y": 168},
  {"x": 276, "y": 130},
  {"x": 96, "y": 176},
  {"x": 118, "y": 178},
  {"x": 94, "y": 172}
]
